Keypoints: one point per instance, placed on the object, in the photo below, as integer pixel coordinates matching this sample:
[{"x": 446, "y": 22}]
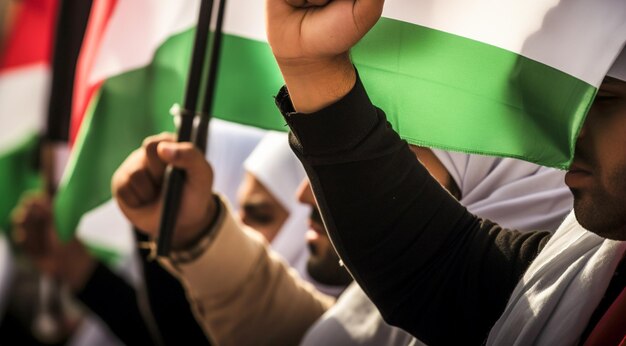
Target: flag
[
  {"x": 24, "y": 79},
  {"x": 506, "y": 78},
  {"x": 472, "y": 75},
  {"x": 134, "y": 71}
]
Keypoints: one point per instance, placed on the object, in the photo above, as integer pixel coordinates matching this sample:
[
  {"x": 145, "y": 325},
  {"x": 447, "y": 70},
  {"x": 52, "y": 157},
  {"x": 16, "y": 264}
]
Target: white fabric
[
  {"x": 228, "y": 147},
  {"x": 513, "y": 193},
  {"x": 618, "y": 70},
  {"x": 553, "y": 302},
  {"x": 274, "y": 164},
  {"x": 6, "y": 271},
  {"x": 23, "y": 91},
  {"x": 354, "y": 320}
]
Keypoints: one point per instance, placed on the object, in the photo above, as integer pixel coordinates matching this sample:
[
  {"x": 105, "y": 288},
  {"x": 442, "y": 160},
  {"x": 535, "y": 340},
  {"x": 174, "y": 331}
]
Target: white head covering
[
  {"x": 274, "y": 164},
  {"x": 514, "y": 193},
  {"x": 229, "y": 145},
  {"x": 618, "y": 70}
]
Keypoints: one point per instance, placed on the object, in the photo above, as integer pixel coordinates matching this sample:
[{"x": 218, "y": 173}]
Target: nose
[{"x": 305, "y": 193}]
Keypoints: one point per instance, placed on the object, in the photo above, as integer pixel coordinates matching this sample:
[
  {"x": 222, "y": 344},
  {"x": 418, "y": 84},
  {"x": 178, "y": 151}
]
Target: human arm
[
  {"x": 244, "y": 293},
  {"x": 422, "y": 258},
  {"x": 96, "y": 286},
  {"x": 240, "y": 292}
]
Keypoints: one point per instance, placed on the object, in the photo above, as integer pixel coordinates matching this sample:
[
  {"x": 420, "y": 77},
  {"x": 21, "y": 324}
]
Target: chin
[{"x": 596, "y": 219}]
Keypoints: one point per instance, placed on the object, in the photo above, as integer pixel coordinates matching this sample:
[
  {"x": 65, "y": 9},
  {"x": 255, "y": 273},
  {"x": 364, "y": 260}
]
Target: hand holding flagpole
[{"x": 191, "y": 130}]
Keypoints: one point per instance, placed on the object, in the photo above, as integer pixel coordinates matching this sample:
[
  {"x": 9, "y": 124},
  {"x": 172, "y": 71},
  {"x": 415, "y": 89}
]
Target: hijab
[
  {"x": 274, "y": 164},
  {"x": 513, "y": 193}
]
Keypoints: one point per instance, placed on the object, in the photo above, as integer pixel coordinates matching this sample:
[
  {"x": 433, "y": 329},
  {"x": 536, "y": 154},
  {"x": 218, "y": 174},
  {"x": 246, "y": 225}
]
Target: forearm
[
  {"x": 419, "y": 255},
  {"x": 243, "y": 294}
]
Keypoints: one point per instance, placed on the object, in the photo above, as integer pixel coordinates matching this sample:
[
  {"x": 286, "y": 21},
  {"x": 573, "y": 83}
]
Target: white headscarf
[
  {"x": 561, "y": 289},
  {"x": 274, "y": 164},
  {"x": 618, "y": 70},
  {"x": 229, "y": 144},
  {"x": 514, "y": 193}
]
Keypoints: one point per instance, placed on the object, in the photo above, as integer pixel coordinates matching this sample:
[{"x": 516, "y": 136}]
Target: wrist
[
  {"x": 198, "y": 246},
  {"x": 314, "y": 84},
  {"x": 191, "y": 235}
]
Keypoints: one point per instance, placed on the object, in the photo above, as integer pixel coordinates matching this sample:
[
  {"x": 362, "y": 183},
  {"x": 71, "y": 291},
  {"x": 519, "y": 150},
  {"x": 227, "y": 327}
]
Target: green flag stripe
[
  {"x": 447, "y": 91},
  {"x": 136, "y": 104},
  {"x": 437, "y": 89},
  {"x": 18, "y": 173}
]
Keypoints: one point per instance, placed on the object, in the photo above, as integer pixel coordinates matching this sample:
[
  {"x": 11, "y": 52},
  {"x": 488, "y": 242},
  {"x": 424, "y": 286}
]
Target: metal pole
[
  {"x": 201, "y": 134},
  {"x": 174, "y": 178}
]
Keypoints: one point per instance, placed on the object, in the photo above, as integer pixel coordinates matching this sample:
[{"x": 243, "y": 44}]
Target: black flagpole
[
  {"x": 201, "y": 135},
  {"x": 175, "y": 178}
]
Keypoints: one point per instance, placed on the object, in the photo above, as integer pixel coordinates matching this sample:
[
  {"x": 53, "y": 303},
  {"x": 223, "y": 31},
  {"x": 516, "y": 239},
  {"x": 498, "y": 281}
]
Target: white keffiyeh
[{"x": 559, "y": 292}]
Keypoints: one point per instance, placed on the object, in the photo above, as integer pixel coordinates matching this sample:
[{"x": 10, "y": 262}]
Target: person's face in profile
[
  {"x": 323, "y": 263},
  {"x": 259, "y": 209},
  {"x": 597, "y": 176}
]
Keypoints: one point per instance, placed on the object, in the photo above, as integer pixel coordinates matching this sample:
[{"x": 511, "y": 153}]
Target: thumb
[{"x": 186, "y": 156}]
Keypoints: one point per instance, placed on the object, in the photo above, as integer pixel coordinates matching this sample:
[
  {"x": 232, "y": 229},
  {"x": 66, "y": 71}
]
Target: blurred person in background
[
  {"x": 269, "y": 203},
  {"x": 137, "y": 300},
  {"x": 251, "y": 296}
]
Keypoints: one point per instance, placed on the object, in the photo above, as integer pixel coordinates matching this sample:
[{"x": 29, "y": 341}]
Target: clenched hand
[
  {"x": 137, "y": 186},
  {"x": 311, "y": 40}
]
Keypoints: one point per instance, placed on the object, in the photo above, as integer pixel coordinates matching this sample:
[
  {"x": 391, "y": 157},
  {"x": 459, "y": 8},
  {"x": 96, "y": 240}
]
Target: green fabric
[
  {"x": 437, "y": 89},
  {"x": 18, "y": 174},
  {"x": 450, "y": 92}
]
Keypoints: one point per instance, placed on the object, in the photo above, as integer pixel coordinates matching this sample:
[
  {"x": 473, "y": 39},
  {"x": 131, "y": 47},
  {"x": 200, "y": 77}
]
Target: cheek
[{"x": 615, "y": 179}]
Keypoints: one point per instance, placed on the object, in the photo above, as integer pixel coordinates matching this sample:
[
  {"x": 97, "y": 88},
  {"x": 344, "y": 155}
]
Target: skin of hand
[
  {"x": 137, "y": 186},
  {"x": 34, "y": 233},
  {"x": 311, "y": 40}
]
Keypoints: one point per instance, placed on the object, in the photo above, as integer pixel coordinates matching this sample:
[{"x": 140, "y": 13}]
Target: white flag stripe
[
  {"x": 246, "y": 18},
  {"x": 578, "y": 37},
  {"x": 107, "y": 227},
  {"x": 124, "y": 50},
  {"x": 618, "y": 70},
  {"x": 22, "y": 113}
]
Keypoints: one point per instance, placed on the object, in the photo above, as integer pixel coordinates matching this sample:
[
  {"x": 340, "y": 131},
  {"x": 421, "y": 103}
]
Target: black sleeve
[
  {"x": 430, "y": 266},
  {"x": 115, "y": 302},
  {"x": 169, "y": 305}
]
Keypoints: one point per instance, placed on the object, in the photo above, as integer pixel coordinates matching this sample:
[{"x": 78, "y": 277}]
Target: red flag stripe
[
  {"x": 84, "y": 90},
  {"x": 30, "y": 38}
]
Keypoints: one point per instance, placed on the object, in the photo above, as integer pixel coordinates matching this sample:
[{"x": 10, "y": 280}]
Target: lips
[
  {"x": 578, "y": 176},
  {"x": 579, "y": 167}
]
